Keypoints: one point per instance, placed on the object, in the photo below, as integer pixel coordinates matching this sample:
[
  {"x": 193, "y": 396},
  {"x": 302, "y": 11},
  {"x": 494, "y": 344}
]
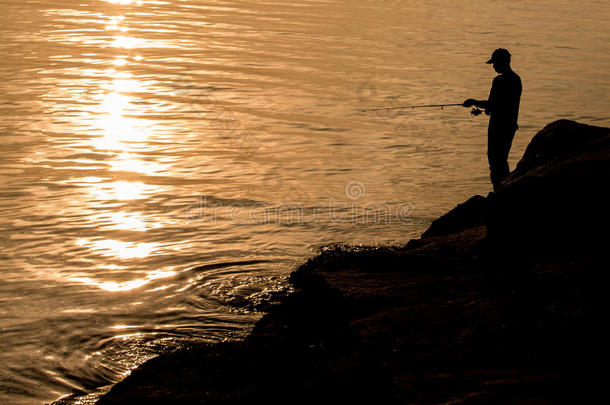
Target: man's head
[{"x": 501, "y": 60}]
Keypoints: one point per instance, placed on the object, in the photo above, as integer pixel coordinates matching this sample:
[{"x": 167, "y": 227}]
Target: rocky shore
[{"x": 497, "y": 303}]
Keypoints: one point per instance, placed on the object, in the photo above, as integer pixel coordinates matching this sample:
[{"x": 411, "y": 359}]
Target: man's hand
[{"x": 470, "y": 102}]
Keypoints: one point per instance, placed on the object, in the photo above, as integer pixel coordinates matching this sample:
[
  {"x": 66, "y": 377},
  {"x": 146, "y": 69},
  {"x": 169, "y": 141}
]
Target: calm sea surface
[{"x": 164, "y": 165}]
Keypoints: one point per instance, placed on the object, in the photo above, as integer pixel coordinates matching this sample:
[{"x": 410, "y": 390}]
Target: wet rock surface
[{"x": 498, "y": 302}]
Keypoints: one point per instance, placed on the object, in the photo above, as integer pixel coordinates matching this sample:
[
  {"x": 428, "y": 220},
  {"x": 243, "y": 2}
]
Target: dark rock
[
  {"x": 556, "y": 199},
  {"x": 560, "y": 142},
  {"x": 467, "y": 215},
  {"x": 497, "y": 303}
]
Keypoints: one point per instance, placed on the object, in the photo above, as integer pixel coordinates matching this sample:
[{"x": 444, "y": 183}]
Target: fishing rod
[{"x": 474, "y": 111}]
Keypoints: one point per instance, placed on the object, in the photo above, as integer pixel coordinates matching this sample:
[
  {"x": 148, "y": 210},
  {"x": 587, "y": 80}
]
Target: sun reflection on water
[
  {"x": 119, "y": 61},
  {"x": 117, "y": 248},
  {"x": 123, "y": 327},
  {"x": 130, "y": 163},
  {"x": 114, "y": 24},
  {"x": 138, "y": 2},
  {"x": 119, "y": 131},
  {"x": 120, "y": 286},
  {"x": 121, "y": 41},
  {"x": 121, "y": 191},
  {"x": 127, "y": 221},
  {"x": 121, "y": 84}
]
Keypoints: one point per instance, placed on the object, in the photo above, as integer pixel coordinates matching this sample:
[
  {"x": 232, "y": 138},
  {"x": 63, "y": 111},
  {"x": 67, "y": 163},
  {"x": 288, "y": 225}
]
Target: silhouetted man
[{"x": 503, "y": 108}]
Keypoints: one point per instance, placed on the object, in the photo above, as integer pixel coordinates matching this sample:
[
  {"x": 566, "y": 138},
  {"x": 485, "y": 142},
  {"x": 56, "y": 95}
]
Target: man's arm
[
  {"x": 477, "y": 103},
  {"x": 486, "y": 104}
]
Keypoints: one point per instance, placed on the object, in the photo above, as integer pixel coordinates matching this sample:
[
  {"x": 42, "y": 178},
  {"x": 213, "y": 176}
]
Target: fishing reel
[{"x": 476, "y": 111}]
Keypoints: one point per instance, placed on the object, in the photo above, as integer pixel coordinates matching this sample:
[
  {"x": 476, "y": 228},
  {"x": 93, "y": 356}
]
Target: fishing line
[{"x": 474, "y": 111}]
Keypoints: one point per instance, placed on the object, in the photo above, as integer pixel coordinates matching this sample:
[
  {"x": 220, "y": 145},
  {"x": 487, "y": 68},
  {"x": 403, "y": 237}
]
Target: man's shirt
[{"x": 503, "y": 101}]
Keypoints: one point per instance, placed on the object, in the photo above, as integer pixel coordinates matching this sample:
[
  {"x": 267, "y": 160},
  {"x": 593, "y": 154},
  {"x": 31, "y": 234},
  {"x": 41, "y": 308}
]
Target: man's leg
[{"x": 497, "y": 154}]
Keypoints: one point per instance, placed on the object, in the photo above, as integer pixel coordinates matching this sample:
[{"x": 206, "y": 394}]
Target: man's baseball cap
[{"x": 499, "y": 55}]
